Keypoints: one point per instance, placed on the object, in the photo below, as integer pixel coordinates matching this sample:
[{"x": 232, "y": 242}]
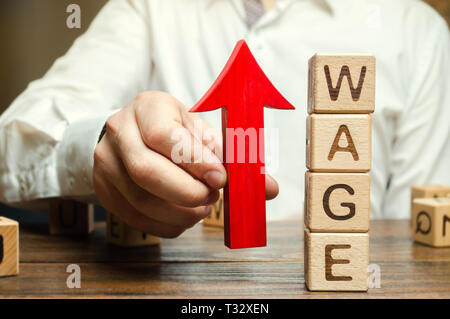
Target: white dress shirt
[{"x": 48, "y": 134}]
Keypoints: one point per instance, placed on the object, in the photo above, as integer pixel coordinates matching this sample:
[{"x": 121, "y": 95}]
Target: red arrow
[{"x": 242, "y": 90}]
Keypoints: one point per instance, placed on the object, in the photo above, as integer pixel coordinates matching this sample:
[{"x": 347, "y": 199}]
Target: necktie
[{"x": 254, "y": 10}]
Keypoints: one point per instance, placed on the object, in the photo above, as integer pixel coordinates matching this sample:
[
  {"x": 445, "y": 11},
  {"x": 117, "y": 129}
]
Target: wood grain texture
[
  {"x": 338, "y": 143},
  {"x": 120, "y": 234},
  {"x": 428, "y": 191},
  {"x": 430, "y": 221},
  {"x": 215, "y": 219},
  {"x": 9, "y": 247},
  {"x": 197, "y": 262},
  {"x": 69, "y": 217},
  {"x": 336, "y": 262},
  {"x": 341, "y": 83},
  {"x": 337, "y": 202}
]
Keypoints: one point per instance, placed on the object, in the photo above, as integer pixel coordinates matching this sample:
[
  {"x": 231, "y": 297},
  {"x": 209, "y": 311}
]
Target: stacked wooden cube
[
  {"x": 430, "y": 215},
  {"x": 341, "y": 96}
]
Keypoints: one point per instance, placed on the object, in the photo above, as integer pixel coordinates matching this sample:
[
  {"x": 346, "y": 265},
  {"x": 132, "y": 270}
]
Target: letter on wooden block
[
  {"x": 69, "y": 217},
  {"x": 120, "y": 234},
  {"x": 336, "y": 262},
  {"x": 9, "y": 247},
  {"x": 427, "y": 191},
  {"x": 338, "y": 143},
  {"x": 341, "y": 84},
  {"x": 337, "y": 202},
  {"x": 430, "y": 221},
  {"x": 216, "y": 217}
]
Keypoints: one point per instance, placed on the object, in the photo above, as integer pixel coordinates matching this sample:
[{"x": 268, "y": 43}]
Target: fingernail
[
  {"x": 207, "y": 210},
  {"x": 215, "y": 179}
]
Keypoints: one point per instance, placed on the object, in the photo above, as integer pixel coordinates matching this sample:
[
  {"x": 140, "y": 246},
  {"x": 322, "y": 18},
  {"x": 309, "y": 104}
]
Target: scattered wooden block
[
  {"x": 337, "y": 202},
  {"x": 338, "y": 143},
  {"x": 428, "y": 191},
  {"x": 120, "y": 234},
  {"x": 430, "y": 220},
  {"x": 9, "y": 247},
  {"x": 341, "y": 83},
  {"x": 336, "y": 262},
  {"x": 215, "y": 219},
  {"x": 69, "y": 217}
]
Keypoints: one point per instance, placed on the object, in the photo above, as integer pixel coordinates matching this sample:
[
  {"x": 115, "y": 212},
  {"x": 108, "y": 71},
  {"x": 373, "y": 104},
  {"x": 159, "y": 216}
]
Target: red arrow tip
[{"x": 241, "y": 76}]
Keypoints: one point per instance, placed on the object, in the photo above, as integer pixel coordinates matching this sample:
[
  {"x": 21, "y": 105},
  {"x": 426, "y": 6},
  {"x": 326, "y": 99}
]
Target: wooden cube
[
  {"x": 430, "y": 221},
  {"x": 69, "y": 217},
  {"x": 336, "y": 261},
  {"x": 215, "y": 219},
  {"x": 338, "y": 143},
  {"x": 427, "y": 191},
  {"x": 337, "y": 202},
  {"x": 9, "y": 247},
  {"x": 343, "y": 83},
  {"x": 120, "y": 234}
]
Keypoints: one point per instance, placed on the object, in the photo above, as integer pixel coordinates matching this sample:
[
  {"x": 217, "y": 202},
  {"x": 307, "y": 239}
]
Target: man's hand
[{"x": 136, "y": 178}]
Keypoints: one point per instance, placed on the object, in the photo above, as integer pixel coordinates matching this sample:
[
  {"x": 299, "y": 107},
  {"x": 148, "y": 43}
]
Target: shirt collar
[{"x": 328, "y": 5}]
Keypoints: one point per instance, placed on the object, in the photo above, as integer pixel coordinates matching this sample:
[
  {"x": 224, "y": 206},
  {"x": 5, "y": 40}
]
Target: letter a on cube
[{"x": 338, "y": 143}]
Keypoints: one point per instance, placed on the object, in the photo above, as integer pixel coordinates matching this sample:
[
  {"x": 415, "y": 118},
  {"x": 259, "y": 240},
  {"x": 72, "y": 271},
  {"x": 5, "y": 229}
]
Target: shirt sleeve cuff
[{"x": 76, "y": 156}]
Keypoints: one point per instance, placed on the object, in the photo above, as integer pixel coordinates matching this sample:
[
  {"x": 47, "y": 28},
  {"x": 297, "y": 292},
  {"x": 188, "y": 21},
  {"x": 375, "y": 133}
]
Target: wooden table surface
[{"x": 198, "y": 265}]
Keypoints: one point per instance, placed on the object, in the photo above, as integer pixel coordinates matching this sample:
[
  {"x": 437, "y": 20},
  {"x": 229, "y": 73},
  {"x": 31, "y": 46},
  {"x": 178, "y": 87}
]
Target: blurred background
[{"x": 33, "y": 33}]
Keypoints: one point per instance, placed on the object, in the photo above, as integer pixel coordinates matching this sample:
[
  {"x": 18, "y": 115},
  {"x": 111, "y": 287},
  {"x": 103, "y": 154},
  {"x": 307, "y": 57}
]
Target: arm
[{"x": 48, "y": 134}]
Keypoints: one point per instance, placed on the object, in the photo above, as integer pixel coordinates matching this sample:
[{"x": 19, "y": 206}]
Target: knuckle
[
  {"x": 145, "y": 95},
  {"x": 142, "y": 96},
  {"x": 136, "y": 169},
  {"x": 156, "y": 135},
  {"x": 148, "y": 97},
  {"x": 112, "y": 124},
  {"x": 194, "y": 198}
]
